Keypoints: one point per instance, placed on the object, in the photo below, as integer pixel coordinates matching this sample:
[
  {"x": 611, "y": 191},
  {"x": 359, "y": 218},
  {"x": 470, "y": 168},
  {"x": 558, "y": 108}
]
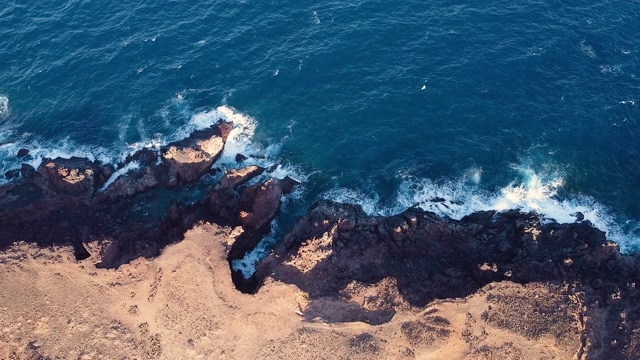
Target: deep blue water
[{"x": 526, "y": 104}]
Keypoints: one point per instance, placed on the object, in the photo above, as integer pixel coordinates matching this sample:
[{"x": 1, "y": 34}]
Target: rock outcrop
[
  {"x": 189, "y": 159},
  {"x": 337, "y": 253},
  {"x": 75, "y": 176}
]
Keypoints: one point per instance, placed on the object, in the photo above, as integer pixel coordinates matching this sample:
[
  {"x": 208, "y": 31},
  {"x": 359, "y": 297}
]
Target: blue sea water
[{"x": 490, "y": 105}]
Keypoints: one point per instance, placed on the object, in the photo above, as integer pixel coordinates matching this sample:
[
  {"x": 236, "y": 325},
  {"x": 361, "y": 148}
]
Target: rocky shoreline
[{"x": 352, "y": 268}]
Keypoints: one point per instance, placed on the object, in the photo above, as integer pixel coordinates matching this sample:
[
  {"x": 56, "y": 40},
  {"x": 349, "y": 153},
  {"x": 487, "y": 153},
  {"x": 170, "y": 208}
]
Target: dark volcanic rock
[
  {"x": 240, "y": 158},
  {"x": 189, "y": 159},
  {"x": 132, "y": 183},
  {"x": 434, "y": 257},
  {"x": 12, "y": 173},
  {"x": 236, "y": 177},
  {"x": 148, "y": 174},
  {"x": 28, "y": 172},
  {"x": 22, "y": 153},
  {"x": 288, "y": 184},
  {"x": 258, "y": 205},
  {"x": 145, "y": 157}
]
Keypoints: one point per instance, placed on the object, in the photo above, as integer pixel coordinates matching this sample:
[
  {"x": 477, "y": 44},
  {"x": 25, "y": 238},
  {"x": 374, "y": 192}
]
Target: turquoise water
[{"x": 489, "y": 105}]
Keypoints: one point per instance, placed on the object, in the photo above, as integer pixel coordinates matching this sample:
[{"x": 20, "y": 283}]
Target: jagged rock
[
  {"x": 259, "y": 204},
  {"x": 240, "y": 158},
  {"x": 75, "y": 176},
  {"x": 189, "y": 159},
  {"x": 145, "y": 157},
  {"x": 22, "y": 153},
  {"x": 288, "y": 183},
  {"x": 132, "y": 183},
  {"x": 436, "y": 258},
  {"x": 236, "y": 177},
  {"x": 12, "y": 173},
  {"x": 28, "y": 172}
]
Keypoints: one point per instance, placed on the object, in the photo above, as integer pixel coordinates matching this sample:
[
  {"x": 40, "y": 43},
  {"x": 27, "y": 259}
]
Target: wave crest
[
  {"x": 531, "y": 192},
  {"x": 4, "y": 107}
]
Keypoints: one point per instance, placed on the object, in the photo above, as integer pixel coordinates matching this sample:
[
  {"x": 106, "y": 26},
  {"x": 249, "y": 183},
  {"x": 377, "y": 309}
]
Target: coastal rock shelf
[
  {"x": 78, "y": 201},
  {"x": 492, "y": 285}
]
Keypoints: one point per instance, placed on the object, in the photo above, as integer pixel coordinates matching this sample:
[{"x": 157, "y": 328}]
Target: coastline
[{"x": 369, "y": 284}]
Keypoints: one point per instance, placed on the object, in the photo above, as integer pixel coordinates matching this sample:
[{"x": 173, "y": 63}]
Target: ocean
[{"x": 452, "y": 107}]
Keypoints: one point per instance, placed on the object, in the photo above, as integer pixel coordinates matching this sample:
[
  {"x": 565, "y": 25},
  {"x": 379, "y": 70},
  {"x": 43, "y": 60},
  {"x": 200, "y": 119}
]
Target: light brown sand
[{"x": 183, "y": 305}]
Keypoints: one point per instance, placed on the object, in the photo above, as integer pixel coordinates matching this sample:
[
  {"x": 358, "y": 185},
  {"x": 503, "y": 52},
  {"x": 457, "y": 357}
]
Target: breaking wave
[
  {"x": 4, "y": 107},
  {"x": 530, "y": 192},
  {"x": 247, "y": 265},
  {"x": 240, "y": 141}
]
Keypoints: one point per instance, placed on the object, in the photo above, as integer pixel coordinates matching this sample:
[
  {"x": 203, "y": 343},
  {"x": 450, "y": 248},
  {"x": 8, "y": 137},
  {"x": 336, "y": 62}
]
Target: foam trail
[
  {"x": 134, "y": 165},
  {"x": 247, "y": 265},
  {"x": 532, "y": 192},
  {"x": 4, "y": 107},
  {"x": 370, "y": 204}
]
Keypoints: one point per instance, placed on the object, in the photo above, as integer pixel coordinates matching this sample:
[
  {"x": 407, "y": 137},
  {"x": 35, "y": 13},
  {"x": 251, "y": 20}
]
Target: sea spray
[
  {"x": 247, "y": 265},
  {"x": 4, "y": 107},
  {"x": 134, "y": 165},
  {"x": 531, "y": 192}
]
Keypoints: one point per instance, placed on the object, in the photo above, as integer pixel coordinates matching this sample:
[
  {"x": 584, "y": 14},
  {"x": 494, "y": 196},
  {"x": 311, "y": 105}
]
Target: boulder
[
  {"x": 189, "y": 159},
  {"x": 240, "y": 158},
  {"x": 132, "y": 183},
  {"x": 145, "y": 157},
  {"x": 259, "y": 204},
  {"x": 23, "y": 153},
  {"x": 288, "y": 183}
]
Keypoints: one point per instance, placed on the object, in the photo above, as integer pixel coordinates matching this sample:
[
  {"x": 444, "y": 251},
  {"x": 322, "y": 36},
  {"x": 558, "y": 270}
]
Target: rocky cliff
[{"x": 526, "y": 287}]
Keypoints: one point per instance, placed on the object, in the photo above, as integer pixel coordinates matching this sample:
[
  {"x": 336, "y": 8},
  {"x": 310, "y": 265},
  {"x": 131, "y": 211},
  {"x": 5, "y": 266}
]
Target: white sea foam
[
  {"x": 247, "y": 265},
  {"x": 40, "y": 149},
  {"x": 532, "y": 192},
  {"x": 315, "y": 18},
  {"x": 611, "y": 69},
  {"x": 134, "y": 165},
  {"x": 587, "y": 49},
  {"x": 369, "y": 203},
  {"x": 4, "y": 107}
]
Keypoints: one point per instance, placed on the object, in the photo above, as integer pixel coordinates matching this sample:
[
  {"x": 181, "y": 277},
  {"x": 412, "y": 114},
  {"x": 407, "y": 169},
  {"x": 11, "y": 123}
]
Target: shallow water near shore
[{"x": 450, "y": 107}]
